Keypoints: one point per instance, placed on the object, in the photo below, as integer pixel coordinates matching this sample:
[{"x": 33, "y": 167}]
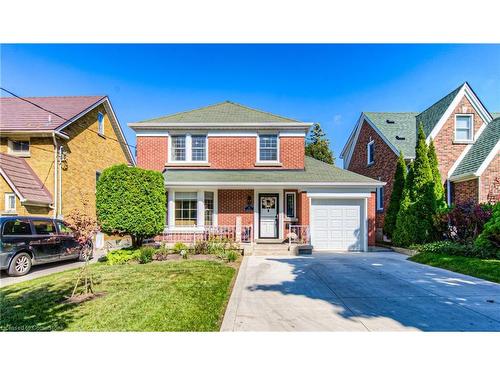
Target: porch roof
[{"x": 315, "y": 173}]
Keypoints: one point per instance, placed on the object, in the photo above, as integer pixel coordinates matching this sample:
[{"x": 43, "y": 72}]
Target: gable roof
[
  {"x": 17, "y": 114},
  {"x": 23, "y": 181},
  {"x": 431, "y": 116},
  {"x": 315, "y": 172},
  {"x": 225, "y": 112},
  {"x": 398, "y": 128},
  {"x": 480, "y": 150}
]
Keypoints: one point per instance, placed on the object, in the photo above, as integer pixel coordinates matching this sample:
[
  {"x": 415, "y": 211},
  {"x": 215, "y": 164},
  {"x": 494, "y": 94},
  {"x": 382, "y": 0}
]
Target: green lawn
[
  {"x": 488, "y": 269},
  {"x": 188, "y": 295}
]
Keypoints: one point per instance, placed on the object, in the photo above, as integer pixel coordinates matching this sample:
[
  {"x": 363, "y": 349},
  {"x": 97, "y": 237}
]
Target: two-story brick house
[
  {"x": 52, "y": 150},
  {"x": 231, "y": 167},
  {"x": 466, "y": 137}
]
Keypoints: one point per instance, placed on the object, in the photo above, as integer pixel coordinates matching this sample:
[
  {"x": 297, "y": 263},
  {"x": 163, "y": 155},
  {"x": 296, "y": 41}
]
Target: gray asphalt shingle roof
[
  {"x": 398, "y": 127},
  {"x": 225, "y": 112},
  {"x": 480, "y": 149},
  {"x": 315, "y": 171}
]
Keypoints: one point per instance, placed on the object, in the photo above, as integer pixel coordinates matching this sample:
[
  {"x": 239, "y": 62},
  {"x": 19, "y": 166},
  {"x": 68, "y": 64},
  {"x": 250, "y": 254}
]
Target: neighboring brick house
[
  {"x": 52, "y": 151},
  {"x": 228, "y": 167},
  {"x": 466, "y": 137}
]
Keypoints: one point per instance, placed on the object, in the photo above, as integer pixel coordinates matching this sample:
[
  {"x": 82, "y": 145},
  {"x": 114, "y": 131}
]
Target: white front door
[
  {"x": 268, "y": 216},
  {"x": 336, "y": 225}
]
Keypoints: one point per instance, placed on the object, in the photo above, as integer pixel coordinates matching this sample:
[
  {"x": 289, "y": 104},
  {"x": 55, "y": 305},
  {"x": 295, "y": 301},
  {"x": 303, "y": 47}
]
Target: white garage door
[{"x": 336, "y": 224}]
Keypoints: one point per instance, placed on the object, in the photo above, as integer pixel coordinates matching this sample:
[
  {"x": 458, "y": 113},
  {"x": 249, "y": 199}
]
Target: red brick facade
[
  {"x": 232, "y": 152},
  {"x": 303, "y": 208},
  {"x": 447, "y": 150},
  {"x": 231, "y": 204},
  {"x": 383, "y": 167},
  {"x": 490, "y": 182},
  {"x": 372, "y": 233},
  {"x": 152, "y": 152},
  {"x": 464, "y": 191},
  {"x": 292, "y": 152}
]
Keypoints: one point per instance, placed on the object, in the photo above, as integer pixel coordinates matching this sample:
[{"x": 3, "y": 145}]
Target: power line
[{"x": 58, "y": 115}]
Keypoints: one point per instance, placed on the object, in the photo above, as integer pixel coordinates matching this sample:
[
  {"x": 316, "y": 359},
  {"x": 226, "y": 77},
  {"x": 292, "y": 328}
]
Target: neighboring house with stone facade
[
  {"x": 53, "y": 149},
  {"x": 239, "y": 171},
  {"x": 467, "y": 140}
]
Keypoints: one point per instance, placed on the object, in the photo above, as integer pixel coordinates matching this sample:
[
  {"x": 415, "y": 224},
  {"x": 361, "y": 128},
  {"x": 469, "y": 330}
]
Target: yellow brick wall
[{"x": 86, "y": 153}]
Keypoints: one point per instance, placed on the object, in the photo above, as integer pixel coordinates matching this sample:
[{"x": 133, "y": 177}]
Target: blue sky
[{"x": 329, "y": 84}]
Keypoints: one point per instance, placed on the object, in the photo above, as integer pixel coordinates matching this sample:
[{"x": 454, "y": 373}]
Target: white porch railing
[
  {"x": 299, "y": 234},
  {"x": 220, "y": 231}
]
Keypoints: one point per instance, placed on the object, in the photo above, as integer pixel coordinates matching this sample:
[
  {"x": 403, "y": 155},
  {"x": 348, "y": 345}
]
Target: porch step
[{"x": 269, "y": 249}]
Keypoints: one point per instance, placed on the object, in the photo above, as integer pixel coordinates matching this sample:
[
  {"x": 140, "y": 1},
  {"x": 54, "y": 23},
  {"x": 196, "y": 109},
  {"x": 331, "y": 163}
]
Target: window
[
  {"x": 44, "y": 227},
  {"x": 198, "y": 147},
  {"x": 100, "y": 123},
  {"x": 463, "y": 128},
  {"x": 19, "y": 147},
  {"x": 97, "y": 175},
  {"x": 209, "y": 208},
  {"x": 186, "y": 213},
  {"x": 16, "y": 227},
  {"x": 268, "y": 148},
  {"x": 370, "y": 152},
  {"x": 380, "y": 198},
  {"x": 10, "y": 202},
  {"x": 63, "y": 229},
  {"x": 290, "y": 202},
  {"x": 179, "y": 148}
]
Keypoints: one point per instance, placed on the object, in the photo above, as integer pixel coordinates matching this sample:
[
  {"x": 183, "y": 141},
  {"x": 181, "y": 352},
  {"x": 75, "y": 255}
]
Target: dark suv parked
[{"x": 26, "y": 241}]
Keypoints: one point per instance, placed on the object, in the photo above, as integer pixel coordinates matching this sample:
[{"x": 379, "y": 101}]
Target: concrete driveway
[{"x": 358, "y": 292}]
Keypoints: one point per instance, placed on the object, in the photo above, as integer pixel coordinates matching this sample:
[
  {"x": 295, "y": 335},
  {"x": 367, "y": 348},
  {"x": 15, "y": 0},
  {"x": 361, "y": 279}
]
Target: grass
[
  {"x": 188, "y": 295},
  {"x": 488, "y": 269}
]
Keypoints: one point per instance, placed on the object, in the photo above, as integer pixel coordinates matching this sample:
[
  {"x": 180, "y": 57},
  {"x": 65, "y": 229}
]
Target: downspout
[
  {"x": 60, "y": 179},
  {"x": 55, "y": 175},
  {"x": 448, "y": 192}
]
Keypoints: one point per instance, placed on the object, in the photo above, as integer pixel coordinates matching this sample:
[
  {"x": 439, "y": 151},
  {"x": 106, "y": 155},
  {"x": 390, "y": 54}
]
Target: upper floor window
[
  {"x": 10, "y": 202},
  {"x": 198, "y": 147},
  {"x": 188, "y": 148},
  {"x": 19, "y": 147},
  {"x": 370, "y": 152},
  {"x": 100, "y": 123},
  {"x": 268, "y": 148},
  {"x": 380, "y": 198},
  {"x": 463, "y": 128},
  {"x": 179, "y": 148}
]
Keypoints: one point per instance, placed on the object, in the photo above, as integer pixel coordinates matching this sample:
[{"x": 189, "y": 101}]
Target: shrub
[
  {"x": 121, "y": 256},
  {"x": 217, "y": 245},
  {"x": 180, "y": 246},
  {"x": 131, "y": 200},
  {"x": 232, "y": 256},
  {"x": 464, "y": 222},
  {"x": 488, "y": 242},
  {"x": 396, "y": 197},
  {"x": 200, "y": 247},
  {"x": 443, "y": 247},
  {"x": 161, "y": 254},
  {"x": 146, "y": 254}
]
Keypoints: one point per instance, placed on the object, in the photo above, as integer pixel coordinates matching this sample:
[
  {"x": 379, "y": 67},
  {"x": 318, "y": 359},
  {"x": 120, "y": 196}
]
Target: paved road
[
  {"x": 358, "y": 292},
  {"x": 43, "y": 270}
]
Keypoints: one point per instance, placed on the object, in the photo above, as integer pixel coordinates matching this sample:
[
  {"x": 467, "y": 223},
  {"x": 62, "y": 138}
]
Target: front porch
[{"x": 246, "y": 216}]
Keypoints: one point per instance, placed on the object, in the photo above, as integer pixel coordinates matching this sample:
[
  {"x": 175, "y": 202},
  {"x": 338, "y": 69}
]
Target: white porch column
[
  {"x": 171, "y": 209},
  {"x": 200, "y": 209}
]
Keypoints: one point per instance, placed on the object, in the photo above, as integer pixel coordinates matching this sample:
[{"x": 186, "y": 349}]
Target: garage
[{"x": 337, "y": 224}]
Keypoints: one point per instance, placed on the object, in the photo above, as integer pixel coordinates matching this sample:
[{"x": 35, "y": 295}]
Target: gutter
[{"x": 55, "y": 174}]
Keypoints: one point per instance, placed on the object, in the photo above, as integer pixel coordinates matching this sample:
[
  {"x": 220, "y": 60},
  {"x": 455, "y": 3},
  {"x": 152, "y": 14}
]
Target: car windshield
[{"x": 16, "y": 228}]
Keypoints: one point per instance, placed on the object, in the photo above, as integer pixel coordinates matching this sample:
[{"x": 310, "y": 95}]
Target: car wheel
[{"x": 20, "y": 265}]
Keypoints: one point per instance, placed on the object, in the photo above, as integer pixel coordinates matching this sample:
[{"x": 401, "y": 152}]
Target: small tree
[
  {"x": 396, "y": 196},
  {"x": 488, "y": 242},
  {"x": 84, "y": 226},
  {"x": 318, "y": 145},
  {"x": 436, "y": 175},
  {"x": 131, "y": 201}
]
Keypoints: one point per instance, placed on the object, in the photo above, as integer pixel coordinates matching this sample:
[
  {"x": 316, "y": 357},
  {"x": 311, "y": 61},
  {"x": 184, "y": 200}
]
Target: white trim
[
  {"x": 285, "y": 203},
  {"x": 270, "y": 162},
  {"x": 281, "y": 215},
  {"x": 188, "y": 150},
  {"x": 229, "y": 133},
  {"x": 353, "y": 143},
  {"x": 379, "y": 202},
  {"x": 6, "y": 202},
  {"x": 138, "y": 125},
  {"x": 338, "y": 195},
  {"x": 368, "y": 161},
  {"x": 11, "y": 151},
  {"x": 473, "y": 99},
  {"x": 466, "y": 150},
  {"x": 493, "y": 153},
  {"x": 288, "y": 184}
]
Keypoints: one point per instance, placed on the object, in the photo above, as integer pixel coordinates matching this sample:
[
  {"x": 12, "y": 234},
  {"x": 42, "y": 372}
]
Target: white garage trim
[{"x": 343, "y": 202}]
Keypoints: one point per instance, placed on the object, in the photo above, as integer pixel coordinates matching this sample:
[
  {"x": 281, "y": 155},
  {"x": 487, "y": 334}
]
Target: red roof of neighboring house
[
  {"x": 25, "y": 182},
  {"x": 17, "y": 114}
]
